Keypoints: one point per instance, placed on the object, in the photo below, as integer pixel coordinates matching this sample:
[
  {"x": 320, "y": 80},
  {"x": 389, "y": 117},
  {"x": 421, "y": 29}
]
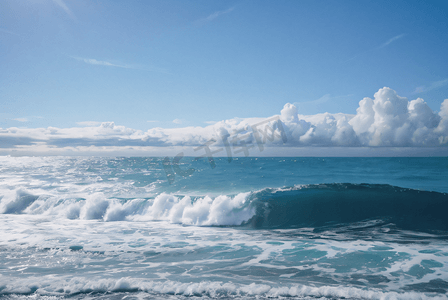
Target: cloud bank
[{"x": 386, "y": 120}]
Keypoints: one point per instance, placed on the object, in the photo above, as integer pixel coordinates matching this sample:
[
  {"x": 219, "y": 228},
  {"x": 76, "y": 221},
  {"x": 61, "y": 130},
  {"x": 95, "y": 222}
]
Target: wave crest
[{"x": 288, "y": 207}]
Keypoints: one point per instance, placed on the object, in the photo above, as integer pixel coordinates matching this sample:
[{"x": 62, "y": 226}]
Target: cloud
[
  {"x": 27, "y": 119},
  {"x": 219, "y": 13},
  {"x": 8, "y": 31},
  {"x": 386, "y": 120},
  {"x": 21, "y": 119},
  {"x": 62, "y": 5},
  {"x": 152, "y": 121},
  {"x": 432, "y": 86},
  {"x": 178, "y": 121},
  {"x": 88, "y": 123},
  {"x": 391, "y": 40},
  {"x": 318, "y": 104},
  {"x": 391, "y": 120},
  {"x": 385, "y": 44},
  {"x": 92, "y": 61},
  {"x": 324, "y": 99},
  {"x": 95, "y": 62},
  {"x": 215, "y": 15}
]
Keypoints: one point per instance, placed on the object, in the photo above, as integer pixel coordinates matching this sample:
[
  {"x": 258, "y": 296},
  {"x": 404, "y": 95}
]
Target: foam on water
[
  {"x": 75, "y": 286},
  {"x": 222, "y": 210},
  {"x": 288, "y": 207},
  {"x": 112, "y": 228},
  {"x": 205, "y": 211},
  {"x": 38, "y": 251}
]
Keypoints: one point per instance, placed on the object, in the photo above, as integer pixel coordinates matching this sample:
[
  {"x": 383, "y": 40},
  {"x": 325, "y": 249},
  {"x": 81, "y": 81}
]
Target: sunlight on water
[{"x": 115, "y": 228}]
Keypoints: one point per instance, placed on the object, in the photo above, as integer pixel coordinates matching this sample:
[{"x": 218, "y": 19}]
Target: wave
[
  {"x": 329, "y": 204},
  {"x": 222, "y": 210},
  {"x": 94, "y": 287},
  {"x": 315, "y": 205}
]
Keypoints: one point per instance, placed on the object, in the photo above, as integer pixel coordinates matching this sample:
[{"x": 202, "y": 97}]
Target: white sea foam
[
  {"x": 223, "y": 210},
  {"x": 96, "y": 226},
  {"x": 16, "y": 201},
  {"x": 138, "y": 251},
  {"x": 203, "y": 211},
  {"x": 51, "y": 286}
]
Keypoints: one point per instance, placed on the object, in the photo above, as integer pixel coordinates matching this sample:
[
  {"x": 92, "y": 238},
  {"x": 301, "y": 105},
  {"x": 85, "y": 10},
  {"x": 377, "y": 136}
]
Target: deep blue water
[{"x": 149, "y": 228}]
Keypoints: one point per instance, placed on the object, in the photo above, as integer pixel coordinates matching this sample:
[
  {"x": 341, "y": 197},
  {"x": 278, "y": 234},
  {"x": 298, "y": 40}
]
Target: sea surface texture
[{"x": 241, "y": 228}]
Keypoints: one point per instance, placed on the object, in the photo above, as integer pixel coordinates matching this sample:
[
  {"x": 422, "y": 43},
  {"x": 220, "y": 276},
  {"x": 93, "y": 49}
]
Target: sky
[{"x": 82, "y": 76}]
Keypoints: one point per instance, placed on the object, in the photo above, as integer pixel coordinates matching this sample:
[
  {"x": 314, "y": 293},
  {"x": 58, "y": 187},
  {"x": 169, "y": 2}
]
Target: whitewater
[{"x": 242, "y": 228}]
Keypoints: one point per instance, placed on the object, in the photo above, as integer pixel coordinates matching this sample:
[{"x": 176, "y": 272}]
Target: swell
[
  {"x": 331, "y": 204},
  {"x": 315, "y": 205}
]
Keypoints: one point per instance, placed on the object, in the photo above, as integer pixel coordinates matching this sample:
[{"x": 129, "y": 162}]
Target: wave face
[
  {"x": 318, "y": 205},
  {"x": 252, "y": 228},
  {"x": 333, "y": 204}
]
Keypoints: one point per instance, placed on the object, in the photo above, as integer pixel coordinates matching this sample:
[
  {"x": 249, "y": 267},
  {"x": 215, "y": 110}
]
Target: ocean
[{"x": 240, "y": 228}]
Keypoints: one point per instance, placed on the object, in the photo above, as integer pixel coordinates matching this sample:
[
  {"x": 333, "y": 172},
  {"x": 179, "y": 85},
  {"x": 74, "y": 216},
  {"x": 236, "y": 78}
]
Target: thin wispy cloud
[
  {"x": 62, "y": 5},
  {"x": 8, "y": 31},
  {"x": 385, "y": 44},
  {"x": 23, "y": 120},
  {"x": 432, "y": 86},
  {"x": 88, "y": 123},
  {"x": 391, "y": 40},
  {"x": 92, "y": 61},
  {"x": 214, "y": 15},
  {"x": 322, "y": 100},
  {"x": 95, "y": 62},
  {"x": 27, "y": 119},
  {"x": 325, "y": 98},
  {"x": 152, "y": 121}
]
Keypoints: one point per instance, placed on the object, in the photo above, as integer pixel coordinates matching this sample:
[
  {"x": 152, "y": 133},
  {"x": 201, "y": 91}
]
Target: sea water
[{"x": 246, "y": 228}]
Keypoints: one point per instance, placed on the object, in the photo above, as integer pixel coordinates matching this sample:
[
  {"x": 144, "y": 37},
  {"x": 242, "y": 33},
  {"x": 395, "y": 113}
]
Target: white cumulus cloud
[{"x": 386, "y": 120}]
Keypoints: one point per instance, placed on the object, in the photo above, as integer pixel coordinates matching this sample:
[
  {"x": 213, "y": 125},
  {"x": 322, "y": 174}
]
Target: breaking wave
[
  {"x": 217, "y": 290},
  {"x": 290, "y": 207}
]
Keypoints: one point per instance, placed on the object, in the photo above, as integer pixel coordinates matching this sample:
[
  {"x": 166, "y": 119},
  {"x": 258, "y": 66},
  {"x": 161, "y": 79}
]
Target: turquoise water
[{"x": 254, "y": 228}]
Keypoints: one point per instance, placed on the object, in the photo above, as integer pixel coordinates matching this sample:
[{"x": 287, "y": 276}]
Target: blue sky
[{"x": 171, "y": 64}]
